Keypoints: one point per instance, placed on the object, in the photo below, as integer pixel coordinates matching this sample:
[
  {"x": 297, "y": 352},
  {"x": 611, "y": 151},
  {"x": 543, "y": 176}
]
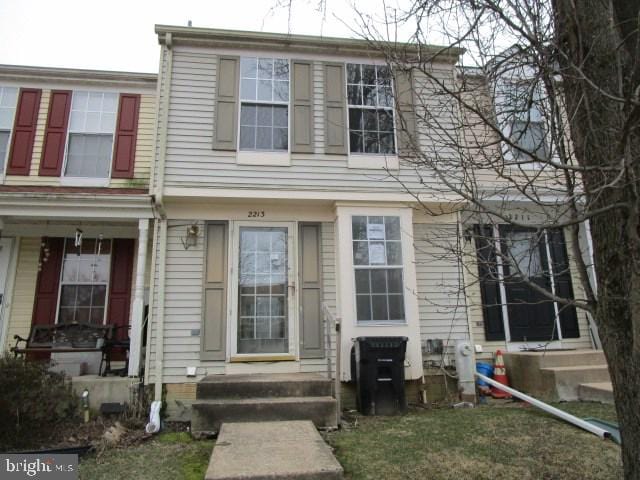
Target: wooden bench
[{"x": 67, "y": 338}]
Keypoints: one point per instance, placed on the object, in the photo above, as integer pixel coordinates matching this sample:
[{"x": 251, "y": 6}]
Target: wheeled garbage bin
[{"x": 379, "y": 374}]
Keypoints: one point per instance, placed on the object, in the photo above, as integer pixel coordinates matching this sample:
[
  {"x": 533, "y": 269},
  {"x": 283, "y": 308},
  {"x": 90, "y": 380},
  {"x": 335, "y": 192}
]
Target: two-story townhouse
[
  {"x": 76, "y": 154},
  {"x": 282, "y": 188}
]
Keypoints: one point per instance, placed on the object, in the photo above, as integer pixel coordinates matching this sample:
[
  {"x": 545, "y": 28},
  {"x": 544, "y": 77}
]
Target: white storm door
[{"x": 264, "y": 293}]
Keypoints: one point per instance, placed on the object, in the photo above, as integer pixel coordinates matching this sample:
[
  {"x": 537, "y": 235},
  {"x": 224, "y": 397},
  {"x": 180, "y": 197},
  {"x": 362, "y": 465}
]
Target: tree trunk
[{"x": 606, "y": 136}]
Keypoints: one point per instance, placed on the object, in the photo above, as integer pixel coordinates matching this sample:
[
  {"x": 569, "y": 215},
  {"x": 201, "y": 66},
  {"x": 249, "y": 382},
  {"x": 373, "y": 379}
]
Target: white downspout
[
  {"x": 164, "y": 122},
  {"x": 137, "y": 312}
]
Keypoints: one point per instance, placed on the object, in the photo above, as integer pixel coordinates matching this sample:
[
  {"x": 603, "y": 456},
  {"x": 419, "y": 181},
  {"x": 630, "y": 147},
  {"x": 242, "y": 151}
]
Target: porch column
[{"x": 137, "y": 311}]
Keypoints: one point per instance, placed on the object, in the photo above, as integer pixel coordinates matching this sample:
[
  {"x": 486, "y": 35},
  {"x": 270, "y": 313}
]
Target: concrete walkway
[{"x": 272, "y": 450}]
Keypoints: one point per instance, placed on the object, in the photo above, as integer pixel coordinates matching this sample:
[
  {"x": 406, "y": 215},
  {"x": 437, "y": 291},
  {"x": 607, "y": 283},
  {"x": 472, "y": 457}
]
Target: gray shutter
[
  {"x": 302, "y": 121},
  {"x": 214, "y": 319},
  {"x": 311, "y": 324},
  {"x": 405, "y": 111},
  {"x": 335, "y": 135},
  {"x": 225, "y": 127}
]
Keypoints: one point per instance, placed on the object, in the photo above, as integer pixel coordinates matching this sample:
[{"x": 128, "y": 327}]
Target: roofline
[
  {"x": 26, "y": 72},
  {"x": 212, "y": 37}
]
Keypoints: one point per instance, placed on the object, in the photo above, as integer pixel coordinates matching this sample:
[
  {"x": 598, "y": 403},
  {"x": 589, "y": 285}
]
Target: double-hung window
[
  {"x": 370, "y": 102},
  {"x": 8, "y": 99},
  {"x": 85, "y": 281},
  {"x": 264, "y": 104},
  {"x": 377, "y": 261},
  {"x": 527, "y": 127},
  {"x": 91, "y": 131}
]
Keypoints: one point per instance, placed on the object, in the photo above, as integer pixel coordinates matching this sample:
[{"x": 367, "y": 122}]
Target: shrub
[{"x": 33, "y": 401}]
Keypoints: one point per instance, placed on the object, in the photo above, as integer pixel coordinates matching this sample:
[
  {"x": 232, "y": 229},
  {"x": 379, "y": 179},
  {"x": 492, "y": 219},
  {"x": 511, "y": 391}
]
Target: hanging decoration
[{"x": 44, "y": 253}]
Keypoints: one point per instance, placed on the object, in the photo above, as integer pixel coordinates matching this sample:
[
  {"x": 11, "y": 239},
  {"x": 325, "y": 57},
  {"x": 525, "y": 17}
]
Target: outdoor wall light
[{"x": 191, "y": 238}]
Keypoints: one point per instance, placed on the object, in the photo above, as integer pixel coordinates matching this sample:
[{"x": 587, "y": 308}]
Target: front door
[
  {"x": 264, "y": 302},
  {"x": 532, "y": 315}
]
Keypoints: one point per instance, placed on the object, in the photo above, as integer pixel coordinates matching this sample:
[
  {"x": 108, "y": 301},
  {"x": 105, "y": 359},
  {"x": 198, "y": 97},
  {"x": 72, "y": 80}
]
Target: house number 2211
[{"x": 255, "y": 213}]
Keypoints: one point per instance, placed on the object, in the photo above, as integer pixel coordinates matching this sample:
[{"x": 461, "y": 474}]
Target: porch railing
[{"x": 332, "y": 324}]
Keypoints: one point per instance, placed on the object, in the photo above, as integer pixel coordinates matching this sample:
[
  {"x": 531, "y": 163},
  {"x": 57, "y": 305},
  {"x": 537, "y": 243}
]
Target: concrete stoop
[
  {"x": 596, "y": 392},
  {"x": 272, "y": 450},
  {"x": 556, "y": 375},
  {"x": 262, "y": 398}
]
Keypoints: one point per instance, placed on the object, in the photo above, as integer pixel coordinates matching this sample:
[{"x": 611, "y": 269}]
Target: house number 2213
[{"x": 255, "y": 213}]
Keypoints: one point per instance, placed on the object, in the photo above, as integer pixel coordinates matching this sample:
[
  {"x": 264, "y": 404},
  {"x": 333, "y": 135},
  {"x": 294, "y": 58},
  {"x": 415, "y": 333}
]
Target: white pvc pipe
[{"x": 578, "y": 422}]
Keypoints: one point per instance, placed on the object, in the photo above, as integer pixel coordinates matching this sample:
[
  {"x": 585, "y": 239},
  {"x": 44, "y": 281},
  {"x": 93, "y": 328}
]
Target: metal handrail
[{"x": 332, "y": 322}]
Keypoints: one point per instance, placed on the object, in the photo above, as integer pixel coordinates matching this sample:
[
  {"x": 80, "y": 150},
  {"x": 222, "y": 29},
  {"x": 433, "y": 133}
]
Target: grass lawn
[
  {"x": 508, "y": 441},
  {"x": 169, "y": 456},
  {"x": 505, "y": 441}
]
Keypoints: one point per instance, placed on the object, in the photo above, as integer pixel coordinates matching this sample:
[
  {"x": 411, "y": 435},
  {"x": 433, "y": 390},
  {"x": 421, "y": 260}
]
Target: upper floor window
[
  {"x": 8, "y": 99},
  {"x": 91, "y": 131},
  {"x": 525, "y": 119},
  {"x": 264, "y": 104},
  {"x": 370, "y": 102},
  {"x": 377, "y": 260}
]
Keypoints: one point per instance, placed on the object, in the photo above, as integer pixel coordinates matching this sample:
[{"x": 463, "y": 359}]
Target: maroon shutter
[
  {"x": 47, "y": 285},
  {"x": 55, "y": 136},
  {"x": 24, "y": 131},
  {"x": 126, "y": 135},
  {"x": 120, "y": 287}
]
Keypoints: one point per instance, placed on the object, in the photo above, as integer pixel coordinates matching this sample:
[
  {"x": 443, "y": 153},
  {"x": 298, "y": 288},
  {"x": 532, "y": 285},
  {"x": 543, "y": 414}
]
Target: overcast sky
[{"x": 119, "y": 34}]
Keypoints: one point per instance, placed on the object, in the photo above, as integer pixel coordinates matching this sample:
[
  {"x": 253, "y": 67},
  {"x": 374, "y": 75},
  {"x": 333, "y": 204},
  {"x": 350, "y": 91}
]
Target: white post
[{"x": 137, "y": 312}]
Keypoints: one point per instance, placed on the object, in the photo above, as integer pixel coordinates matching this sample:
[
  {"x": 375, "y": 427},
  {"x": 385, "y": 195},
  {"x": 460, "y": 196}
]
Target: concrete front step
[
  {"x": 596, "y": 392},
  {"x": 209, "y": 414},
  {"x": 564, "y": 382},
  {"x": 272, "y": 450},
  {"x": 553, "y": 358},
  {"x": 264, "y": 386}
]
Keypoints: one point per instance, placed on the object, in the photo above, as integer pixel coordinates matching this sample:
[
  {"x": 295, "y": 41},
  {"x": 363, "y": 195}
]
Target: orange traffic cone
[{"x": 499, "y": 375}]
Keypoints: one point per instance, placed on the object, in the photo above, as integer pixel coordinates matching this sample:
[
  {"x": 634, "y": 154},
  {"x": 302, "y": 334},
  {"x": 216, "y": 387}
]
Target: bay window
[{"x": 378, "y": 268}]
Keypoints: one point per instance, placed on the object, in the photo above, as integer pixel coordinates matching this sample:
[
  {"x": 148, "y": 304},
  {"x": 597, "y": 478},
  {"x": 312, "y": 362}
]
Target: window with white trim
[
  {"x": 91, "y": 130},
  {"x": 264, "y": 104},
  {"x": 377, "y": 262},
  {"x": 85, "y": 281},
  {"x": 525, "y": 116},
  {"x": 8, "y": 100},
  {"x": 370, "y": 102}
]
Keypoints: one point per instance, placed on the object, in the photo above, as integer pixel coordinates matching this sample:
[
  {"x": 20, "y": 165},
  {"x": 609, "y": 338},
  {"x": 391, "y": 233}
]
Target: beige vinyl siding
[
  {"x": 441, "y": 298},
  {"x": 24, "y": 289},
  {"x": 144, "y": 148},
  {"x": 191, "y": 162},
  {"x": 475, "y": 308},
  {"x": 183, "y": 306}
]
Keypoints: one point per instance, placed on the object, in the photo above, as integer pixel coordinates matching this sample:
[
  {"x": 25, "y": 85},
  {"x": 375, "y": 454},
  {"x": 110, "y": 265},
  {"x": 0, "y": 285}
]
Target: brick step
[
  {"x": 596, "y": 392},
  {"x": 263, "y": 386},
  {"x": 207, "y": 415}
]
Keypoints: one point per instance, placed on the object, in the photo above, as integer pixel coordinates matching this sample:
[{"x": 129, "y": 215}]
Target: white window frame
[
  {"x": 61, "y": 281},
  {"x": 233, "y": 295},
  {"x": 88, "y": 181},
  {"x": 10, "y": 138},
  {"x": 264, "y": 157},
  {"x": 386, "y": 266},
  {"x": 363, "y": 160}
]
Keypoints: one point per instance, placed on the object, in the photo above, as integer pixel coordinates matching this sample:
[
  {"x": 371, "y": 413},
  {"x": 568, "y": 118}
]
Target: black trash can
[{"x": 379, "y": 374}]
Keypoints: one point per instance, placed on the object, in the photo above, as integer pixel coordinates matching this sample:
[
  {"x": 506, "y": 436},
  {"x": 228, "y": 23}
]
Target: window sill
[
  {"x": 275, "y": 159},
  {"x": 373, "y": 323},
  {"x": 374, "y": 162},
  {"x": 84, "y": 182}
]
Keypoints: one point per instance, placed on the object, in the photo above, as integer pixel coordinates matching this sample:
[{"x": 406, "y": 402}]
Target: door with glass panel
[{"x": 265, "y": 290}]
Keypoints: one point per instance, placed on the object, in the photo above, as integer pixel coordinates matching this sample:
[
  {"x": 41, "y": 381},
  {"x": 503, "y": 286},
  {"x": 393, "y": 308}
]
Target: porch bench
[{"x": 67, "y": 338}]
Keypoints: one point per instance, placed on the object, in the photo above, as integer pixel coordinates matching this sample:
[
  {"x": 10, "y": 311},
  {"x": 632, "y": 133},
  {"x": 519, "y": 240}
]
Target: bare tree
[{"x": 537, "y": 134}]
